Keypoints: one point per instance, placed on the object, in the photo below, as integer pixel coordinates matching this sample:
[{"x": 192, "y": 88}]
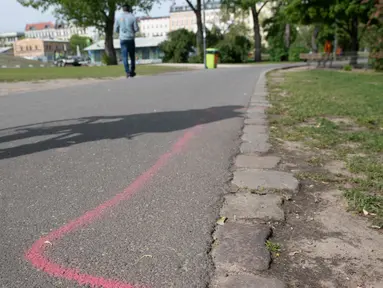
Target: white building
[
  {"x": 49, "y": 30},
  {"x": 184, "y": 17},
  {"x": 7, "y": 39},
  {"x": 154, "y": 26}
]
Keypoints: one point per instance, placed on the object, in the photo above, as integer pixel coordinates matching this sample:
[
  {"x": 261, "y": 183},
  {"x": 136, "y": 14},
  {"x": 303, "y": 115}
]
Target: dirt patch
[
  {"x": 299, "y": 69},
  {"x": 322, "y": 243},
  {"x": 324, "y": 246},
  {"x": 341, "y": 120},
  {"x": 8, "y": 88},
  {"x": 338, "y": 168}
]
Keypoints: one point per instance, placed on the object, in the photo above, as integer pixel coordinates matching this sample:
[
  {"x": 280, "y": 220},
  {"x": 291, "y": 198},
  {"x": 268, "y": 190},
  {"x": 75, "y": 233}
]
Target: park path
[{"x": 118, "y": 183}]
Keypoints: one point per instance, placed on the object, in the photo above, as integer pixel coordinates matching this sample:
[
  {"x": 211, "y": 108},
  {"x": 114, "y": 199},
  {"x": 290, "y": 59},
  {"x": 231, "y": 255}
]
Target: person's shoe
[
  {"x": 127, "y": 75},
  {"x": 133, "y": 74}
]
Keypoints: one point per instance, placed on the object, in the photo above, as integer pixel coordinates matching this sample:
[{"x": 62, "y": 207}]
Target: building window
[{"x": 36, "y": 47}]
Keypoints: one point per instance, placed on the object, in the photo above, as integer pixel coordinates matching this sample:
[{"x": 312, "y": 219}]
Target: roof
[
  {"x": 11, "y": 34},
  {"x": 152, "y": 18},
  {"x": 43, "y": 40},
  {"x": 39, "y": 26},
  {"x": 55, "y": 41},
  {"x": 210, "y": 5},
  {"x": 140, "y": 42},
  {"x": 5, "y": 49}
]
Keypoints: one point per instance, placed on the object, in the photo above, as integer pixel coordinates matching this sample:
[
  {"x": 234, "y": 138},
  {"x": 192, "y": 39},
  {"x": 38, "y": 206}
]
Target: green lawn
[
  {"x": 12, "y": 61},
  {"x": 34, "y": 74},
  {"x": 341, "y": 112}
]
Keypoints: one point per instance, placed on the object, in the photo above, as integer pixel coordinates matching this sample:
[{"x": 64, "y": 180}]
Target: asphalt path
[{"x": 118, "y": 183}]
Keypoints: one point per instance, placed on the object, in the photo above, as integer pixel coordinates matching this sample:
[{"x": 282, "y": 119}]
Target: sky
[{"x": 14, "y": 17}]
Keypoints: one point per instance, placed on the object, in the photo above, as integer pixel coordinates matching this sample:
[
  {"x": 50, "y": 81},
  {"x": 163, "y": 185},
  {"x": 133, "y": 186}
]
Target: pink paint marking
[{"x": 35, "y": 254}]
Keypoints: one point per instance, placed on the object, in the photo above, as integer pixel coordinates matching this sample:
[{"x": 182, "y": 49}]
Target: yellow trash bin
[{"x": 212, "y": 55}]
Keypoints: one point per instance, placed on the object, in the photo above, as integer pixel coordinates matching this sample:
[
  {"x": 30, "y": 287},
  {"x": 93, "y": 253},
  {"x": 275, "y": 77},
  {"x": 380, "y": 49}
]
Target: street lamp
[{"x": 204, "y": 32}]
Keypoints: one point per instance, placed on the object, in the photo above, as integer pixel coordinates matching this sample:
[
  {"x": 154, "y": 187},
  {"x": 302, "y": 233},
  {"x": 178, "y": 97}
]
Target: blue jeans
[{"x": 128, "y": 48}]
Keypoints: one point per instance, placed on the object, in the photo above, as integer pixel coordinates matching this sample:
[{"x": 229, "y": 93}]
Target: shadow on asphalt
[{"x": 65, "y": 133}]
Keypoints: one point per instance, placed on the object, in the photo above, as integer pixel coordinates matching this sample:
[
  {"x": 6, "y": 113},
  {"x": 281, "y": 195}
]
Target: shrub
[
  {"x": 295, "y": 50},
  {"x": 105, "y": 59},
  {"x": 347, "y": 68}
]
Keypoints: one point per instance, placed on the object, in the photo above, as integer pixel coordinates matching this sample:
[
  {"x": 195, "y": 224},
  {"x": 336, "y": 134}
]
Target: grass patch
[
  {"x": 34, "y": 74},
  {"x": 273, "y": 247},
  {"x": 12, "y": 61},
  {"x": 342, "y": 113}
]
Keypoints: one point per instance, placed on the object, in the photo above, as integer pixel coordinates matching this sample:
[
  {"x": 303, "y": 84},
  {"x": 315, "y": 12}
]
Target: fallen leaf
[
  {"x": 293, "y": 253},
  {"x": 48, "y": 243},
  {"x": 365, "y": 212},
  {"x": 221, "y": 221}
]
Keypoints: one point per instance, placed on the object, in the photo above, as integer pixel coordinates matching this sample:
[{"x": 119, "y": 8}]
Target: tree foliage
[
  {"x": 345, "y": 15},
  {"x": 97, "y": 13},
  {"x": 80, "y": 41},
  {"x": 256, "y": 7},
  {"x": 280, "y": 34},
  {"x": 235, "y": 46},
  {"x": 178, "y": 46}
]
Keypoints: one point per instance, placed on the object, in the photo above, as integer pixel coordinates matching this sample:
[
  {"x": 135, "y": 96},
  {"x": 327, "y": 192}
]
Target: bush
[
  {"x": 234, "y": 48},
  {"x": 178, "y": 46},
  {"x": 376, "y": 61},
  {"x": 196, "y": 59},
  {"x": 105, "y": 59},
  {"x": 347, "y": 68},
  {"x": 295, "y": 50}
]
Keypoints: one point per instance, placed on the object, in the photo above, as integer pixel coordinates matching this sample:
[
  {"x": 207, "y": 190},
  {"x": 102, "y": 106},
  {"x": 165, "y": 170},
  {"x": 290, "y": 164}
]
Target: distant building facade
[
  {"x": 40, "y": 49},
  {"x": 7, "y": 39},
  {"x": 154, "y": 26},
  {"x": 147, "y": 50},
  {"x": 183, "y": 17},
  {"x": 6, "y": 51},
  {"x": 58, "y": 31}
]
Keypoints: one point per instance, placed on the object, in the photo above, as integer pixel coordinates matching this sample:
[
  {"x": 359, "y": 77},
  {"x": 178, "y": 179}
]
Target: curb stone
[
  {"x": 248, "y": 281},
  {"x": 267, "y": 179},
  {"x": 241, "y": 248},
  {"x": 251, "y": 206},
  {"x": 256, "y": 162},
  {"x": 240, "y": 254}
]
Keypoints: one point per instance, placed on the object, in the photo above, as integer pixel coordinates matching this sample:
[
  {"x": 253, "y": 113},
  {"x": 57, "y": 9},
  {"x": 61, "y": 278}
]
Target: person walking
[{"x": 126, "y": 26}]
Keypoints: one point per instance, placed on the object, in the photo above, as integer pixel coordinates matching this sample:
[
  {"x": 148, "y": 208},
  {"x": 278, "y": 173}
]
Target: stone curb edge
[{"x": 239, "y": 249}]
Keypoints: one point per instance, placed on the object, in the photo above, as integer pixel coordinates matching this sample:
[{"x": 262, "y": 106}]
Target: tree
[
  {"x": 280, "y": 33},
  {"x": 179, "y": 45},
  {"x": 373, "y": 39},
  {"x": 234, "y": 47},
  {"x": 81, "y": 42},
  {"x": 197, "y": 9},
  {"x": 256, "y": 7},
  {"x": 97, "y": 13},
  {"x": 346, "y": 15}
]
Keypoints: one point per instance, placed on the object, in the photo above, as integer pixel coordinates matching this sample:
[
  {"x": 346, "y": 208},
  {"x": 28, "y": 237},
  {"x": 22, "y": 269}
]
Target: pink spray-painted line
[{"x": 35, "y": 255}]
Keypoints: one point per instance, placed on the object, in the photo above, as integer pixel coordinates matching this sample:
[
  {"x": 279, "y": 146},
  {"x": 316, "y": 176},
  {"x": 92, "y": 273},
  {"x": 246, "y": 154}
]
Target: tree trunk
[
  {"x": 199, "y": 33},
  {"x": 109, "y": 46},
  {"x": 257, "y": 35},
  {"x": 287, "y": 36},
  {"x": 354, "y": 41},
  {"x": 314, "y": 37}
]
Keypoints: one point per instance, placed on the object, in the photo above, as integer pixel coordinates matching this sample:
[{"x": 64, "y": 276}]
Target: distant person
[{"x": 126, "y": 26}]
